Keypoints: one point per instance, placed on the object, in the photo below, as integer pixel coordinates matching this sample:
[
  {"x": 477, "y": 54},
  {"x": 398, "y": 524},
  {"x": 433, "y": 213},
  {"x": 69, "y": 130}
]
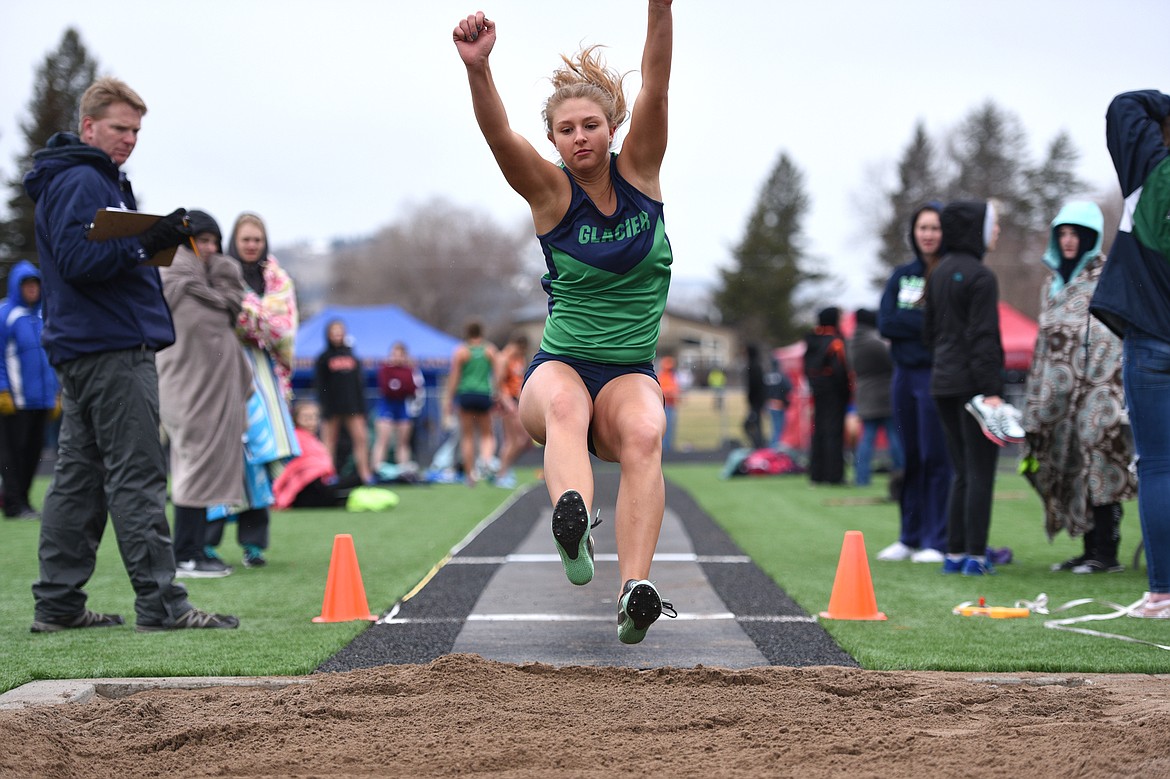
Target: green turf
[
  {"x": 793, "y": 532},
  {"x": 276, "y": 604}
]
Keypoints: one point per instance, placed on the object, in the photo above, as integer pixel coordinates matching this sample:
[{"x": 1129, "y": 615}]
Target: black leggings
[{"x": 973, "y": 458}]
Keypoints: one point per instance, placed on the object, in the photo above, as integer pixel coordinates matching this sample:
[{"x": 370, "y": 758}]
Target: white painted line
[
  {"x": 722, "y": 615},
  {"x": 663, "y": 557}
]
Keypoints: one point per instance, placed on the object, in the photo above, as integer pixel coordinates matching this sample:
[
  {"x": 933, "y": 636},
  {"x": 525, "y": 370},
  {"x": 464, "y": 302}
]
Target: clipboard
[{"x": 121, "y": 223}]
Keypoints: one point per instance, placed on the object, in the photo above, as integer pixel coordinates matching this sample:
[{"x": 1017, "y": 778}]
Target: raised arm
[
  {"x": 532, "y": 176},
  {"x": 645, "y": 144}
]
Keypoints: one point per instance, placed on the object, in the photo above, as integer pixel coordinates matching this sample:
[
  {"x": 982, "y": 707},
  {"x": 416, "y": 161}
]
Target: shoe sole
[
  {"x": 1081, "y": 570},
  {"x": 642, "y": 609},
  {"x": 570, "y": 529},
  {"x": 992, "y": 437},
  {"x": 202, "y": 574}
]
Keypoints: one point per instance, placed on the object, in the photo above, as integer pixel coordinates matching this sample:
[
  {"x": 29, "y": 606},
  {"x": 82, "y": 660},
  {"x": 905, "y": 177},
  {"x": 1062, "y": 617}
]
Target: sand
[{"x": 464, "y": 716}]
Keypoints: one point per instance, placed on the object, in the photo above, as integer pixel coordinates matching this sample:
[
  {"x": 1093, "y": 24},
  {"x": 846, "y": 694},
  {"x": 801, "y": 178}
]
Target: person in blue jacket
[
  {"x": 105, "y": 317},
  {"x": 927, "y": 473},
  {"x": 1133, "y": 299},
  {"x": 28, "y": 389}
]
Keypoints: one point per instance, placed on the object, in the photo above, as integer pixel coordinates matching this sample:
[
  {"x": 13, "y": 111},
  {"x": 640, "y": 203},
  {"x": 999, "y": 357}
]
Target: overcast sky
[{"x": 331, "y": 119}]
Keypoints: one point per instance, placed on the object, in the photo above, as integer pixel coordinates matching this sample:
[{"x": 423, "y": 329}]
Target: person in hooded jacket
[
  {"x": 204, "y": 381},
  {"x": 1078, "y": 447},
  {"x": 1133, "y": 299},
  {"x": 827, "y": 371},
  {"x": 961, "y": 326},
  {"x": 105, "y": 318},
  {"x": 927, "y": 473},
  {"x": 266, "y": 328},
  {"x": 28, "y": 389}
]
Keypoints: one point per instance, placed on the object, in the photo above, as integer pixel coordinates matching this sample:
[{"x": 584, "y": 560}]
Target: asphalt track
[{"x": 503, "y": 596}]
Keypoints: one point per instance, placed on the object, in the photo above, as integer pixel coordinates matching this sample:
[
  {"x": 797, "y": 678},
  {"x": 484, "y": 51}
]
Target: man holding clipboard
[{"x": 105, "y": 317}]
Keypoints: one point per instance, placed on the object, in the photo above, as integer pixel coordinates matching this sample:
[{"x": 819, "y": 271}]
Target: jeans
[
  {"x": 927, "y": 474},
  {"x": 1146, "y": 374},
  {"x": 863, "y": 461},
  {"x": 779, "y": 418},
  {"x": 671, "y": 427}
]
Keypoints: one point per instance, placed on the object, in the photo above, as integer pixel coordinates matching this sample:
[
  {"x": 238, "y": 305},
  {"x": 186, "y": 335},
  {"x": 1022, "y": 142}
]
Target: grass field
[{"x": 793, "y": 532}]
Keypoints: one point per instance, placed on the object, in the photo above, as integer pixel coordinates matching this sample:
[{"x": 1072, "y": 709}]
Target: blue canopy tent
[{"x": 372, "y": 331}]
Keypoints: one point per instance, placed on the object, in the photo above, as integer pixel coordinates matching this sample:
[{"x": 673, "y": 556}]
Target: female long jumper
[{"x": 598, "y": 216}]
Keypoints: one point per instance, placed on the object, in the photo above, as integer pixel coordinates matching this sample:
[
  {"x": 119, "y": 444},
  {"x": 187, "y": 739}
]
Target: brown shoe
[
  {"x": 195, "y": 619},
  {"x": 86, "y": 619}
]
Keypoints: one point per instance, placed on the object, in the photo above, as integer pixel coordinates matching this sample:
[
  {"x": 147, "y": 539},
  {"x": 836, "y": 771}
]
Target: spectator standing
[
  {"x": 962, "y": 327},
  {"x": 399, "y": 384},
  {"x": 105, "y": 318},
  {"x": 339, "y": 382},
  {"x": 873, "y": 371},
  {"x": 827, "y": 371},
  {"x": 266, "y": 327},
  {"x": 757, "y": 397},
  {"x": 1078, "y": 450},
  {"x": 927, "y": 472},
  {"x": 29, "y": 392},
  {"x": 671, "y": 395},
  {"x": 779, "y": 393},
  {"x": 1133, "y": 300},
  {"x": 204, "y": 382}
]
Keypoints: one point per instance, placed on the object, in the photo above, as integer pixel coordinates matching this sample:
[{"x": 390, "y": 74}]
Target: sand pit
[{"x": 464, "y": 716}]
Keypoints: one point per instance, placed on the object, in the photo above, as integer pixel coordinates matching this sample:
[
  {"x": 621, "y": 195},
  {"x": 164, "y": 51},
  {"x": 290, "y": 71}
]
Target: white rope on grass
[{"x": 1040, "y": 606}]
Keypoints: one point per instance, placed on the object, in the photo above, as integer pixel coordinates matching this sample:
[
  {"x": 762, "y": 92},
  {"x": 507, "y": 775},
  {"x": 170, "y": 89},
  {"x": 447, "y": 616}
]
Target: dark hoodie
[
  {"x": 903, "y": 304},
  {"x": 98, "y": 295},
  {"x": 961, "y": 323}
]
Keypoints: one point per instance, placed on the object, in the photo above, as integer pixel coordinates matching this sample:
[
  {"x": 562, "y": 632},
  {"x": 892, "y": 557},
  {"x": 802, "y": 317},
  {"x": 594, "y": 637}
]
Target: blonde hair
[
  {"x": 587, "y": 77},
  {"x": 103, "y": 93}
]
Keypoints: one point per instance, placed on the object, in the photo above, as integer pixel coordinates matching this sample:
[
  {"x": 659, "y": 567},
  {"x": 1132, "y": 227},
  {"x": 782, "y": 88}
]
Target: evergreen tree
[
  {"x": 758, "y": 295},
  {"x": 1055, "y": 182},
  {"x": 60, "y": 82}
]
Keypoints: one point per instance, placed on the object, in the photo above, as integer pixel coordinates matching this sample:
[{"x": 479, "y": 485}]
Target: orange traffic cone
[
  {"x": 853, "y": 596},
  {"x": 345, "y": 596}
]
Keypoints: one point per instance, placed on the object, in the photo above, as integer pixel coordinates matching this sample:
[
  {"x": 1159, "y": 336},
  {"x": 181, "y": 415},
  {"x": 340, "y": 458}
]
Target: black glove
[{"x": 169, "y": 231}]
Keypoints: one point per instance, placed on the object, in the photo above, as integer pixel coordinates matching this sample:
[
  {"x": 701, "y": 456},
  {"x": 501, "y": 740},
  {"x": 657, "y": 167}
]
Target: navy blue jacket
[
  {"x": 900, "y": 315},
  {"x": 25, "y": 371},
  {"x": 98, "y": 295},
  {"x": 1134, "y": 289}
]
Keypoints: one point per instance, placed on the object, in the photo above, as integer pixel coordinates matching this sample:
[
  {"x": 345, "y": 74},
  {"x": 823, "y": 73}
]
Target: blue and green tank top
[{"x": 607, "y": 277}]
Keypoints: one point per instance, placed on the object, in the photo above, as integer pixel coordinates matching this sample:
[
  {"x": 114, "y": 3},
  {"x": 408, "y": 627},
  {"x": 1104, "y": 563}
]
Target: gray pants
[{"x": 110, "y": 460}]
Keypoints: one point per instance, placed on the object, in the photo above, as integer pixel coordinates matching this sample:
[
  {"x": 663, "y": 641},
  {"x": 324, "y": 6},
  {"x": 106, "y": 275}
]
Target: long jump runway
[{"x": 504, "y": 596}]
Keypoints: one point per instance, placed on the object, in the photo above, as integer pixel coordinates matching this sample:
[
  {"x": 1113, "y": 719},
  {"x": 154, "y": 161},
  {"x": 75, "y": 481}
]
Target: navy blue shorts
[
  {"x": 595, "y": 374},
  {"x": 475, "y": 402}
]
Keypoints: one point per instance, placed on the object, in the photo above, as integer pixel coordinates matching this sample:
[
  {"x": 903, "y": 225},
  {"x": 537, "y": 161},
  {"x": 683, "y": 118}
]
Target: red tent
[{"x": 1018, "y": 333}]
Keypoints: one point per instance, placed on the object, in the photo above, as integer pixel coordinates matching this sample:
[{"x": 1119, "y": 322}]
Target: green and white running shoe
[
  {"x": 639, "y": 607},
  {"x": 570, "y": 527}
]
